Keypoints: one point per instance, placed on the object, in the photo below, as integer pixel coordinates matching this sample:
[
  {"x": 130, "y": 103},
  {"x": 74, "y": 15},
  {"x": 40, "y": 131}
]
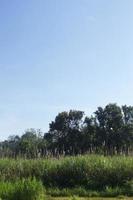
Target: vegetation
[
  {"x": 89, "y": 198},
  {"x": 79, "y": 155},
  {"x": 25, "y": 189},
  {"x": 108, "y": 131},
  {"x": 82, "y": 175}
]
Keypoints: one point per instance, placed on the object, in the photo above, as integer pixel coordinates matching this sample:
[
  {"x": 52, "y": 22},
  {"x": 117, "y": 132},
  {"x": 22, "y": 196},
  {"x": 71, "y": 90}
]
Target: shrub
[{"x": 25, "y": 189}]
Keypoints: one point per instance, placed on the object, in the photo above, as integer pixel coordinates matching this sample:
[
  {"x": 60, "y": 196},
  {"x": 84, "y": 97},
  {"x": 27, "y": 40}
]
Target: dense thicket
[{"x": 108, "y": 131}]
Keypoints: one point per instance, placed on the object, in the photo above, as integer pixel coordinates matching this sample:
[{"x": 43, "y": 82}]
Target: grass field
[{"x": 83, "y": 176}]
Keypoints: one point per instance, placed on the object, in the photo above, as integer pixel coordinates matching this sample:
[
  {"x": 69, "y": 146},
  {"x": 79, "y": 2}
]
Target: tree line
[{"x": 108, "y": 131}]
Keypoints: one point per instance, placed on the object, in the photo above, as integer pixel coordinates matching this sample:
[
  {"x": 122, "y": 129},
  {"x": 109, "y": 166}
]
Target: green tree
[
  {"x": 29, "y": 144},
  {"x": 66, "y": 131}
]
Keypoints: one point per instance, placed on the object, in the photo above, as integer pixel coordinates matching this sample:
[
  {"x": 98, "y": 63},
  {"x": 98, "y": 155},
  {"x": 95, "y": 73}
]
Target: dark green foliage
[{"x": 108, "y": 131}]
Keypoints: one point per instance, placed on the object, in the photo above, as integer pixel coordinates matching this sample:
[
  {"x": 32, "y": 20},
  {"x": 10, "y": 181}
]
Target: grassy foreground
[
  {"x": 83, "y": 176},
  {"x": 97, "y": 198}
]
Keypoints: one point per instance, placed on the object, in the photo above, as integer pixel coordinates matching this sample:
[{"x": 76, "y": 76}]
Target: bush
[{"x": 25, "y": 189}]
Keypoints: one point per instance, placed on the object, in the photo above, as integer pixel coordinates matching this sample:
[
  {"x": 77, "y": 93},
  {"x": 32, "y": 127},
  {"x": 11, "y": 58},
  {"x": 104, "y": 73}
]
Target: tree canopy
[{"x": 108, "y": 131}]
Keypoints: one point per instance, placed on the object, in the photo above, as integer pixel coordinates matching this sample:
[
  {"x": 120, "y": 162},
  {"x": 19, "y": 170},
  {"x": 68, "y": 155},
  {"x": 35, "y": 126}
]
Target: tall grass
[
  {"x": 90, "y": 172},
  {"x": 25, "y": 189}
]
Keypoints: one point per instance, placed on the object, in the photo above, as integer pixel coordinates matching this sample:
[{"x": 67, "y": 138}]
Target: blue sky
[{"x": 57, "y": 55}]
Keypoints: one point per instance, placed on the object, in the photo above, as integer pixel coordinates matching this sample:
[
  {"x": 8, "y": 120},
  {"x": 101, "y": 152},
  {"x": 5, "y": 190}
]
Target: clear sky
[{"x": 57, "y": 55}]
